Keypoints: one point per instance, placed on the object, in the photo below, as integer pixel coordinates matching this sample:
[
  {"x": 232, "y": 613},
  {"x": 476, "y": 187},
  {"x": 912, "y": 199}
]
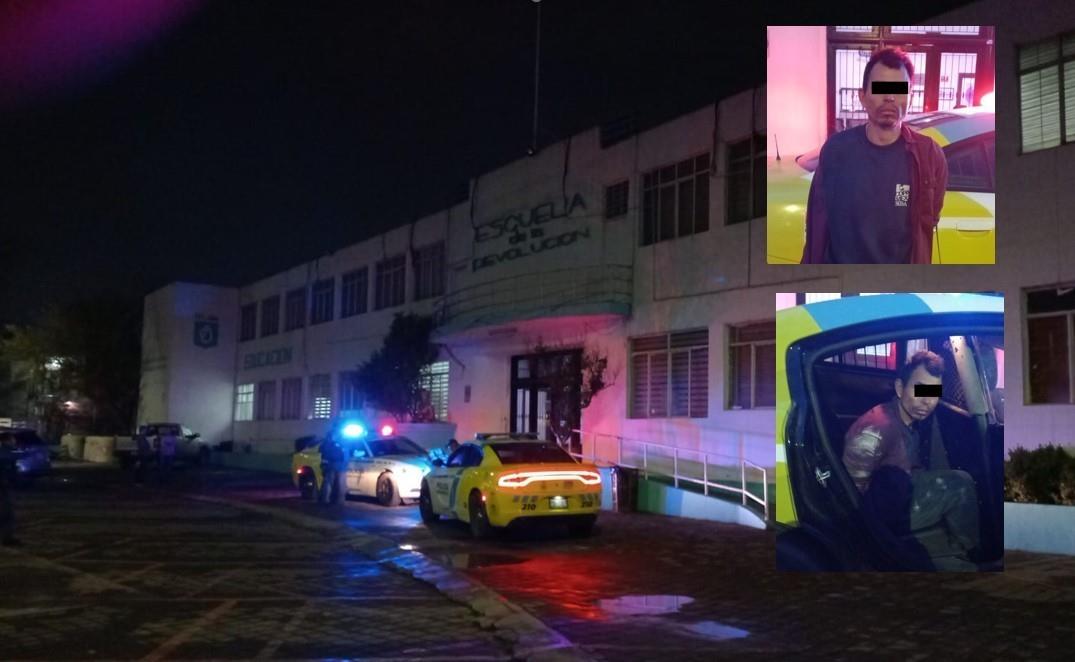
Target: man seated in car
[{"x": 890, "y": 437}]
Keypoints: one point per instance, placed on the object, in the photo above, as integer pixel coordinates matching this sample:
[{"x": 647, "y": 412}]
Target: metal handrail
[{"x": 676, "y": 476}]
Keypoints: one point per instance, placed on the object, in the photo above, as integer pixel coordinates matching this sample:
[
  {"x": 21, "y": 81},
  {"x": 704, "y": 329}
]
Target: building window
[
  {"x": 265, "y": 402},
  {"x": 323, "y": 297},
  {"x": 320, "y": 396},
  {"x": 390, "y": 282},
  {"x": 291, "y": 399},
  {"x": 244, "y": 402},
  {"x": 745, "y": 183},
  {"x": 295, "y": 309},
  {"x": 616, "y": 199},
  {"x": 429, "y": 271},
  {"x": 434, "y": 385},
  {"x": 1047, "y": 76},
  {"x": 350, "y": 398},
  {"x": 270, "y": 315},
  {"x": 354, "y": 292},
  {"x": 752, "y": 365},
  {"x": 248, "y": 322},
  {"x": 675, "y": 200},
  {"x": 1050, "y": 335},
  {"x": 670, "y": 375}
]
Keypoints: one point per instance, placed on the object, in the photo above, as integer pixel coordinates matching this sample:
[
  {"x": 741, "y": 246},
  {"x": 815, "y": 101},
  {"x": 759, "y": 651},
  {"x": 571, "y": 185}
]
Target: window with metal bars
[
  {"x": 320, "y": 396},
  {"x": 248, "y": 322},
  {"x": 295, "y": 309},
  {"x": 616, "y": 197},
  {"x": 265, "y": 401},
  {"x": 350, "y": 396},
  {"x": 752, "y": 365},
  {"x": 323, "y": 298},
  {"x": 745, "y": 180},
  {"x": 390, "y": 277},
  {"x": 270, "y": 315},
  {"x": 670, "y": 375},
  {"x": 434, "y": 383},
  {"x": 675, "y": 200},
  {"x": 1050, "y": 334},
  {"x": 1047, "y": 76},
  {"x": 429, "y": 271},
  {"x": 354, "y": 292},
  {"x": 244, "y": 402},
  {"x": 291, "y": 398}
]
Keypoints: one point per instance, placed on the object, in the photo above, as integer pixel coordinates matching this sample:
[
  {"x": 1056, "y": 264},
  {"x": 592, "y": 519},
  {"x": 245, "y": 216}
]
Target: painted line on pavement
[
  {"x": 270, "y": 648},
  {"x": 197, "y": 626},
  {"x": 528, "y": 637}
]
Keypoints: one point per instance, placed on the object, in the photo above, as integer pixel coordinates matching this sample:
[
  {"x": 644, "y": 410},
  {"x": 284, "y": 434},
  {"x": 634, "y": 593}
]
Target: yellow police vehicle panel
[{"x": 493, "y": 482}]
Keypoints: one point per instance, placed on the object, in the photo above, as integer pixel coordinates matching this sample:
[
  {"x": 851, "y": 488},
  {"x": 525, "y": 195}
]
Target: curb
[{"x": 526, "y": 635}]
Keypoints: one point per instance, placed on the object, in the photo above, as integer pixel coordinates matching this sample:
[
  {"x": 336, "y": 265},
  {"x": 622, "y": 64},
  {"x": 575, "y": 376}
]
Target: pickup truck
[{"x": 190, "y": 447}]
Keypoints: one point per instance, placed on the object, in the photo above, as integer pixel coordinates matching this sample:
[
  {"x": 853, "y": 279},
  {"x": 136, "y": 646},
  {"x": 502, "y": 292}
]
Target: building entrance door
[{"x": 546, "y": 396}]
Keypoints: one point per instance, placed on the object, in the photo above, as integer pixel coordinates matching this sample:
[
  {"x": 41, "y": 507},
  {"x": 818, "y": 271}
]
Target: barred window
[
  {"x": 670, "y": 375},
  {"x": 265, "y": 402},
  {"x": 390, "y": 280},
  {"x": 752, "y": 365},
  {"x": 291, "y": 398},
  {"x": 675, "y": 200},
  {"x": 429, "y": 271},
  {"x": 295, "y": 309},
  {"x": 350, "y": 398},
  {"x": 745, "y": 183},
  {"x": 320, "y": 396},
  {"x": 1047, "y": 93},
  {"x": 248, "y": 322},
  {"x": 354, "y": 292},
  {"x": 244, "y": 402},
  {"x": 434, "y": 384},
  {"x": 270, "y": 315},
  {"x": 323, "y": 298},
  {"x": 616, "y": 197}
]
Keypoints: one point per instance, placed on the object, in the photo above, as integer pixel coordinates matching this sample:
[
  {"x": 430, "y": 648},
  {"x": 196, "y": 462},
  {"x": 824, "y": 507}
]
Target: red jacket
[{"x": 929, "y": 180}]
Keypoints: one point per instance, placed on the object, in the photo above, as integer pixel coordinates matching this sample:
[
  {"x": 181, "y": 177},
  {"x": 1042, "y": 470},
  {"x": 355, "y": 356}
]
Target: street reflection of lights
[
  {"x": 635, "y": 605},
  {"x": 718, "y": 631}
]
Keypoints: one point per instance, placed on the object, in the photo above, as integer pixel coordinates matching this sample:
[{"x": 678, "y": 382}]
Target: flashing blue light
[{"x": 353, "y": 430}]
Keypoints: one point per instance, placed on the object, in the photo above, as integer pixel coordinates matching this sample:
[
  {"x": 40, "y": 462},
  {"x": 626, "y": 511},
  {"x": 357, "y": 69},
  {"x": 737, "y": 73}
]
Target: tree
[
  {"x": 391, "y": 379},
  {"x": 91, "y": 350},
  {"x": 585, "y": 372}
]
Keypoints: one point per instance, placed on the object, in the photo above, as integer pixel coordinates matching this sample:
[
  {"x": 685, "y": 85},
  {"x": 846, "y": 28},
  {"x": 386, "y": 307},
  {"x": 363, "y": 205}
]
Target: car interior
[{"x": 850, "y": 383}]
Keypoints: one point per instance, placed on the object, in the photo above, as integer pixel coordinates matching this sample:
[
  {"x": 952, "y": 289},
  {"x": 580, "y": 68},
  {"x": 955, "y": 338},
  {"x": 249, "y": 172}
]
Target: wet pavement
[{"x": 644, "y": 587}]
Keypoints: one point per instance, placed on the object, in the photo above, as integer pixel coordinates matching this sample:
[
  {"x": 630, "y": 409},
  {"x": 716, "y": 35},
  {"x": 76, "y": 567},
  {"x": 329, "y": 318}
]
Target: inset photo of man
[
  {"x": 890, "y": 432},
  {"x": 881, "y": 143}
]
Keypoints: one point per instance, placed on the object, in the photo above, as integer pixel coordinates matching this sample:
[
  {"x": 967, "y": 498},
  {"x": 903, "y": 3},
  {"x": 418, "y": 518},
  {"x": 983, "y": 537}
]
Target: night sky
[{"x": 143, "y": 142}]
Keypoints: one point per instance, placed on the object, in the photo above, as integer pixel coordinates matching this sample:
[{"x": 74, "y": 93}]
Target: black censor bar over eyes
[
  {"x": 887, "y": 87},
  {"x": 927, "y": 390}
]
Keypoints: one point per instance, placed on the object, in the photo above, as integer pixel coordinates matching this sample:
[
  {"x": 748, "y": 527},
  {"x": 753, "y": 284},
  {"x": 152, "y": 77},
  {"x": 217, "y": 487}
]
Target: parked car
[
  {"x": 967, "y": 228},
  {"x": 388, "y": 468},
  {"x": 31, "y": 454},
  {"x": 497, "y": 480},
  {"x": 838, "y": 359},
  {"x": 190, "y": 446}
]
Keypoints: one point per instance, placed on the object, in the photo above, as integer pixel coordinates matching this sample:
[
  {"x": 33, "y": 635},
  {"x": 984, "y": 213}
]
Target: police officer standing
[
  {"x": 7, "y": 479},
  {"x": 333, "y": 461},
  {"x": 166, "y": 447}
]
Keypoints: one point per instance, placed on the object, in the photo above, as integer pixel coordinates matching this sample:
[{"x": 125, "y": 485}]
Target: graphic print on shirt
[{"x": 903, "y": 194}]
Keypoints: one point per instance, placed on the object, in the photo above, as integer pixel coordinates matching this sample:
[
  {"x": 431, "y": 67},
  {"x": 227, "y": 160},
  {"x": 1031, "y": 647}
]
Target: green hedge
[{"x": 1042, "y": 475}]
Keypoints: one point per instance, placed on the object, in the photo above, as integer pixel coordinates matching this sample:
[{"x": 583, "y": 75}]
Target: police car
[
  {"x": 497, "y": 480},
  {"x": 388, "y": 467},
  {"x": 836, "y": 360}
]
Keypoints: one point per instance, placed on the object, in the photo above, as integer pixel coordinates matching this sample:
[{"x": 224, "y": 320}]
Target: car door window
[
  {"x": 456, "y": 458},
  {"x": 473, "y": 457},
  {"x": 968, "y": 168}
]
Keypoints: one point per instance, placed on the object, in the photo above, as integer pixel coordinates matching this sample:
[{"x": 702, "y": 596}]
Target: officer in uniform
[{"x": 333, "y": 461}]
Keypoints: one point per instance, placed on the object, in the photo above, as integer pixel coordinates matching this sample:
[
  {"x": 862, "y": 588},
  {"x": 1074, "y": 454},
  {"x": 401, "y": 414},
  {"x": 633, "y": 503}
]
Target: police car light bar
[
  {"x": 353, "y": 430},
  {"x": 524, "y": 478},
  {"x": 387, "y": 430}
]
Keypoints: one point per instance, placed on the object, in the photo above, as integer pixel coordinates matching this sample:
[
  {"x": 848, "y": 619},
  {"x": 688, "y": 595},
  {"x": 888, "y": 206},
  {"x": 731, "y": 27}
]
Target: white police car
[{"x": 388, "y": 468}]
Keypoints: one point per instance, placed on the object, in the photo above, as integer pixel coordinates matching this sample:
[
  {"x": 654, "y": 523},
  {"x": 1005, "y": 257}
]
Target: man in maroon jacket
[
  {"x": 877, "y": 192},
  {"x": 889, "y": 437}
]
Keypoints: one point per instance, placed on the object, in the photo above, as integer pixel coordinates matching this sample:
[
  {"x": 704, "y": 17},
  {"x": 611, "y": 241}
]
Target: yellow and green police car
[
  {"x": 836, "y": 360},
  {"x": 498, "y": 480},
  {"x": 966, "y": 233}
]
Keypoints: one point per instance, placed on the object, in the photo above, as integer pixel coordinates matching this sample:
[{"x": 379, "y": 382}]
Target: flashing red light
[
  {"x": 524, "y": 478},
  {"x": 387, "y": 430}
]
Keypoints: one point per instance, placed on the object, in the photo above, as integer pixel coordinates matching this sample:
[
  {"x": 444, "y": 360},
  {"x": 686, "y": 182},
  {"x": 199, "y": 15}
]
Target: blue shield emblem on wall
[{"x": 206, "y": 331}]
